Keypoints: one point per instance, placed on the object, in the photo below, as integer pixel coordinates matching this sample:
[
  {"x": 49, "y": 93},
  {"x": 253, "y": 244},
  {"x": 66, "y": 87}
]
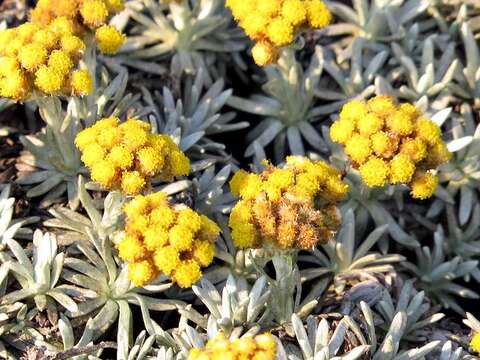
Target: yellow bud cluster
[
  {"x": 260, "y": 347},
  {"x": 289, "y": 207},
  {"x": 275, "y": 23},
  {"x": 42, "y": 58},
  {"x": 391, "y": 144},
  {"x": 84, "y": 15},
  {"x": 475, "y": 343},
  {"x": 161, "y": 239},
  {"x": 127, "y": 156}
]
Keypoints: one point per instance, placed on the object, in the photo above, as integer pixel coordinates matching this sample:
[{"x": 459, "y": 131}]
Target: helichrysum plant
[
  {"x": 160, "y": 247},
  {"x": 289, "y": 207},
  {"x": 391, "y": 144},
  {"x": 43, "y": 59},
  {"x": 260, "y": 347},
  {"x": 273, "y": 24},
  {"x": 162, "y": 239},
  {"x": 126, "y": 156}
]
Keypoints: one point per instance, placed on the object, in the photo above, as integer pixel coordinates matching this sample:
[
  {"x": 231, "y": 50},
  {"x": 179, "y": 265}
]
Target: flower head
[
  {"x": 41, "y": 57},
  {"x": 281, "y": 207},
  {"x": 248, "y": 348},
  {"x": 275, "y": 23},
  {"x": 174, "y": 247},
  {"x": 390, "y": 143},
  {"x": 134, "y": 155},
  {"x": 79, "y": 17}
]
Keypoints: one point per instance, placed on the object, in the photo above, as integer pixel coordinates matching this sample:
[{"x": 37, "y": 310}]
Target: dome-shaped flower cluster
[
  {"x": 127, "y": 155},
  {"x": 161, "y": 239},
  {"x": 391, "y": 143},
  {"x": 275, "y": 23},
  {"x": 260, "y": 347},
  {"x": 84, "y": 15},
  {"x": 42, "y": 58},
  {"x": 289, "y": 207}
]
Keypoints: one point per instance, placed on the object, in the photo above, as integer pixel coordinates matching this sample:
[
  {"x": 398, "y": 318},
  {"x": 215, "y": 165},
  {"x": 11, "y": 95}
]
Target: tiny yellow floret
[
  {"x": 382, "y": 106},
  {"x": 141, "y": 273},
  {"x": 49, "y": 80},
  {"x": 318, "y": 14},
  {"x": 132, "y": 182},
  {"x": 32, "y": 56},
  {"x": 187, "y": 273},
  {"x": 121, "y": 157},
  {"x": 72, "y": 44},
  {"x": 60, "y": 61},
  {"x": 131, "y": 249},
  {"x": 104, "y": 173},
  {"x": 294, "y": 11},
  {"x": 94, "y": 13},
  {"x": 369, "y": 124},
  {"x": 81, "y": 83},
  {"x": 423, "y": 185},
  {"x": 341, "y": 131},
  {"x": 374, "y": 172},
  {"x": 427, "y": 130},
  {"x": 358, "y": 148},
  {"x": 109, "y": 39},
  {"x": 384, "y": 145},
  {"x": 264, "y": 53},
  {"x": 280, "y": 32},
  {"x": 15, "y": 86},
  {"x": 402, "y": 169}
]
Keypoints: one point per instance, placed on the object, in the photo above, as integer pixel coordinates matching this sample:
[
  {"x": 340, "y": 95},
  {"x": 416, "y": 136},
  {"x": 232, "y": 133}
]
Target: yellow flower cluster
[
  {"x": 289, "y": 207},
  {"x": 161, "y": 239},
  {"x": 391, "y": 143},
  {"x": 42, "y": 58},
  {"x": 260, "y": 347},
  {"x": 475, "y": 343},
  {"x": 85, "y": 15},
  {"x": 127, "y": 156},
  {"x": 275, "y": 23}
]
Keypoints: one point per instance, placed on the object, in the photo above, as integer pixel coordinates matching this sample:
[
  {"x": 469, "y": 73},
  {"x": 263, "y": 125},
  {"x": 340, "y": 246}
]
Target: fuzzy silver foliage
[
  {"x": 191, "y": 35},
  {"x": 287, "y": 108},
  {"x": 194, "y": 118}
]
